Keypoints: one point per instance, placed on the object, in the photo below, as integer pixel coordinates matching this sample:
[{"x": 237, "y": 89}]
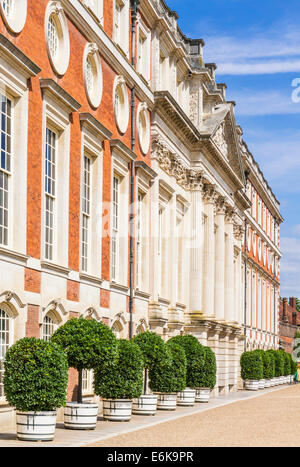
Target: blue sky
[{"x": 256, "y": 46}]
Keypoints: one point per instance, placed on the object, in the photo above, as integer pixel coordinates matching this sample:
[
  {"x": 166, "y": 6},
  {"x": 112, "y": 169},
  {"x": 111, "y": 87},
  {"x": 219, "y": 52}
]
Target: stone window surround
[
  {"x": 92, "y": 138},
  {"x": 95, "y": 7},
  {"x": 15, "y": 22},
  {"x": 16, "y": 69},
  {"x": 57, "y": 106},
  {"x": 143, "y": 127},
  {"x": 121, "y": 36},
  {"x": 94, "y": 96},
  {"x": 60, "y": 64},
  {"x": 121, "y": 113},
  {"x": 144, "y": 62}
]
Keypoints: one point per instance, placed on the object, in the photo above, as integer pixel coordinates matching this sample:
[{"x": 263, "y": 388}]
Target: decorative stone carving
[
  {"x": 238, "y": 231},
  {"x": 220, "y": 205},
  {"x": 230, "y": 214},
  {"x": 210, "y": 194},
  {"x": 220, "y": 141}
]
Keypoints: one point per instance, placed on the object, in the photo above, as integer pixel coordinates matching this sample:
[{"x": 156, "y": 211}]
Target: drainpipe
[
  {"x": 133, "y": 7},
  {"x": 247, "y": 173}
]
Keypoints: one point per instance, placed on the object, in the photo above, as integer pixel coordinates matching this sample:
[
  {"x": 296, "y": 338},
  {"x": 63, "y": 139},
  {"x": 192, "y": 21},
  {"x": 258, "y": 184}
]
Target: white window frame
[
  {"x": 13, "y": 86},
  {"x": 10, "y": 318},
  {"x": 144, "y": 51},
  {"x": 121, "y": 25},
  {"x": 50, "y": 196},
  {"x": 96, "y": 8},
  {"x": 49, "y": 326},
  {"x": 115, "y": 247},
  {"x": 15, "y": 21},
  {"x": 57, "y": 119},
  {"x": 143, "y": 127},
  {"x": 60, "y": 61},
  {"x": 121, "y": 104},
  {"x": 93, "y": 83}
]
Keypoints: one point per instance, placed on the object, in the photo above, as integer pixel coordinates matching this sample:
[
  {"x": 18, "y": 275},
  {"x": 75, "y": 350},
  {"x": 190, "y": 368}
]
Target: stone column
[
  {"x": 197, "y": 242},
  {"x": 220, "y": 261},
  {"x": 210, "y": 194},
  {"x": 229, "y": 267}
]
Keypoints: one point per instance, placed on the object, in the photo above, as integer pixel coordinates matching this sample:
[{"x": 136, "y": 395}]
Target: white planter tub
[
  {"x": 36, "y": 426},
  {"x": 80, "y": 416},
  {"x": 268, "y": 383},
  {"x": 282, "y": 380},
  {"x": 145, "y": 405},
  {"x": 252, "y": 384},
  {"x": 166, "y": 401},
  {"x": 202, "y": 395},
  {"x": 117, "y": 410},
  {"x": 261, "y": 384},
  {"x": 187, "y": 397},
  {"x": 291, "y": 378}
]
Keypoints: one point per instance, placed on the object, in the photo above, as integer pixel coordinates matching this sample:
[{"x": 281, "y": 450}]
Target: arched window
[
  {"x": 49, "y": 327},
  {"x": 117, "y": 329},
  {"x": 5, "y": 342}
]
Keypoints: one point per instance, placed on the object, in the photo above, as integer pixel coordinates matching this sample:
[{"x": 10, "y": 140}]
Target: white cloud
[
  {"x": 265, "y": 102},
  {"x": 276, "y": 50}
]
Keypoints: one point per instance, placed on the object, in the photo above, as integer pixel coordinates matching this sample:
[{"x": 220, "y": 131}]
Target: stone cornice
[
  {"x": 95, "y": 126},
  {"x": 54, "y": 90},
  {"x": 18, "y": 58},
  {"x": 122, "y": 149}
]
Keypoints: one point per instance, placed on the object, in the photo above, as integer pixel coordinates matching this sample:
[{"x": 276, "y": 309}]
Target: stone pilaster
[
  {"x": 209, "y": 194},
  {"x": 219, "y": 302},
  {"x": 229, "y": 267}
]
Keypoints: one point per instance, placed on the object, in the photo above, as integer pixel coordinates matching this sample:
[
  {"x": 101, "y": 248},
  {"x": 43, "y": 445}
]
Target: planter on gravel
[
  {"x": 167, "y": 400},
  {"x": 168, "y": 377},
  {"x": 261, "y": 384},
  {"x": 203, "y": 395},
  {"x": 35, "y": 383},
  {"x": 201, "y": 369},
  {"x": 153, "y": 350},
  {"x": 88, "y": 344},
  {"x": 252, "y": 384},
  {"x": 186, "y": 398},
  {"x": 120, "y": 382},
  {"x": 80, "y": 416},
  {"x": 268, "y": 383},
  {"x": 145, "y": 405},
  {"x": 117, "y": 410},
  {"x": 36, "y": 426}
]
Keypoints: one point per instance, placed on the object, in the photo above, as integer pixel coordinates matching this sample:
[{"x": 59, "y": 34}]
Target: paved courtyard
[
  {"x": 270, "y": 420},
  {"x": 264, "y": 418}
]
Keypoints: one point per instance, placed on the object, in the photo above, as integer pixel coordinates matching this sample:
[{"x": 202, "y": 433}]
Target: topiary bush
[
  {"x": 88, "y": 344},
  {"x": 195, "y": 356},
  {"x": 268, "y": 364},
  {"x": 153, "y": 349},
  {"x": 279, "y": 363},
  {"x": 169, "y": 375},
  {"x": 123, "y": 378},
  {"x": 208, "y": 375},
  {"x": 287, "y": 364},
  {"x": 271, "y": 356},
  {"x": 251, "y": 366},
  {"x": 36, "y": 375}
]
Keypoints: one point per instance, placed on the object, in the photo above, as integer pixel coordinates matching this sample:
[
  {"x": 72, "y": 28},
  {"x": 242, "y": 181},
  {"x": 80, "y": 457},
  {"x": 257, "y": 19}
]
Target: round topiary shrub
[
  {"x": 153, "y": 349},
  {"x": 208, "y": 375},
  {"x": 36, "y": 375},
  {"x": 88, "y": 344},
  {"x": 123, "y": 378},
  {"x": 195, "y": 356},
  {"x": 169, "y": 375},
  {"x": 251, "y": 366}
]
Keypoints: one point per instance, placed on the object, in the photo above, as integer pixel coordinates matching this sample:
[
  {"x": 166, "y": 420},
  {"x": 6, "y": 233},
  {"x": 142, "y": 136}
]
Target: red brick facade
[{"x": 289, "y": 323}]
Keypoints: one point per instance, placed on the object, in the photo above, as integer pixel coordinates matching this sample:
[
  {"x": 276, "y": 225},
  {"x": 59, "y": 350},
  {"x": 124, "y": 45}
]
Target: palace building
[{"x": 127, "y": 193}]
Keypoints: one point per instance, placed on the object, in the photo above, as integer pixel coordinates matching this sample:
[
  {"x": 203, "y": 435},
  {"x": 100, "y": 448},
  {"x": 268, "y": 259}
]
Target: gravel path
[{"x": 270, "y": 420}]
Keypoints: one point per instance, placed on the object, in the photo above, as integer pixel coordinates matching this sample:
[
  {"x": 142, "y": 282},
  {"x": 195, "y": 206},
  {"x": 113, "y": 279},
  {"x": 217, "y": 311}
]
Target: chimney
[
  {"x": 293, "y": 302},
  {"x": 284, "y": 314}
]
